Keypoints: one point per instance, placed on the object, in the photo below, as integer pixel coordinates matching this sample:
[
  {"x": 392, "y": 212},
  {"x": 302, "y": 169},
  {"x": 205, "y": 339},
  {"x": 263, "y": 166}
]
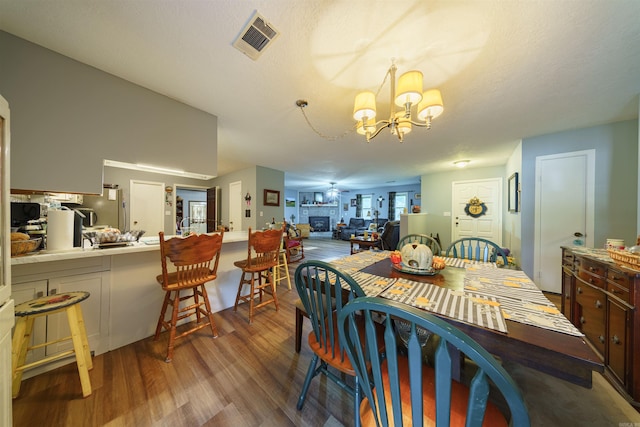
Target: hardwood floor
[{"x": 250, "y": 375}]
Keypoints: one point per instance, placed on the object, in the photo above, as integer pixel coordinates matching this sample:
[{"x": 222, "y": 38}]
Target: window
[
  {"x": 402, "y": 203},
  {"x": 366, "y": 206}
]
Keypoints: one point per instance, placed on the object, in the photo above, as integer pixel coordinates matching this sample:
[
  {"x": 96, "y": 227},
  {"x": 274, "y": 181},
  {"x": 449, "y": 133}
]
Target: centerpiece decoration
[{"x": 416, "y": 258}]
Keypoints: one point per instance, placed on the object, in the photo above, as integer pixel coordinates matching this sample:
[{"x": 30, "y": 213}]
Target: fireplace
[{"x": 319, "y": 223}]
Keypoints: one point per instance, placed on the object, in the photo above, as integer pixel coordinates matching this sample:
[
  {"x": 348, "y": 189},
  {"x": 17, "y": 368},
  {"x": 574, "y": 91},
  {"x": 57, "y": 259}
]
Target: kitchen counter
[{"x": 144, "y": 245}]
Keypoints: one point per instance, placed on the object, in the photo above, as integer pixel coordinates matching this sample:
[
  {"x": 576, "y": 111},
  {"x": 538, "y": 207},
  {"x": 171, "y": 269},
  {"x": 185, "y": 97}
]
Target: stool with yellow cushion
[{"x": 27, "y": 312}]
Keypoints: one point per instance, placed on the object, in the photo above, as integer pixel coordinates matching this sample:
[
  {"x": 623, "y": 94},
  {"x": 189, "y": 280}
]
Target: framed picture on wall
[
  {"x": 354, "y": 203},
  {"x": 197, "y": 211},
  {"x": 513, "y": 199},
  {"x": 271, "y": 198}
]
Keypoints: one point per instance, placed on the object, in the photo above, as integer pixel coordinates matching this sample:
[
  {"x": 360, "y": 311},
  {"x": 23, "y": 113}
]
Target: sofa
[
  {"x": 357, "y": 227},
  {"x": 351, "y": 228}
]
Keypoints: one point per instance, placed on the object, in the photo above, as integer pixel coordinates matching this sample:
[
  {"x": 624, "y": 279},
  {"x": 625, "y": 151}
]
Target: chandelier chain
[{"x": 302, "y": 105}]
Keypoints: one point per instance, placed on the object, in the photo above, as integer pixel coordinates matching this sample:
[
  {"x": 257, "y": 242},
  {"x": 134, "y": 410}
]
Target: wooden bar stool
[
  {"x": 257, "y": 269},
  {"x": 195, "y": 261},
  {"x": 282, "y": 264},
  {"x": 27, "y": 312}
]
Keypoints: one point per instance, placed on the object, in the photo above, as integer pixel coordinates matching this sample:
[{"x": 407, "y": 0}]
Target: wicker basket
[
  {"x": 21, "y": 247},
  {"x": 625, "y": 259}
]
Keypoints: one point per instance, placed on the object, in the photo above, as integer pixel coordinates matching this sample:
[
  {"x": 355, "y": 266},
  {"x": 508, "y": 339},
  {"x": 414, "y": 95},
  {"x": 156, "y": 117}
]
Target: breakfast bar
[{"x": 125, "y": 297}]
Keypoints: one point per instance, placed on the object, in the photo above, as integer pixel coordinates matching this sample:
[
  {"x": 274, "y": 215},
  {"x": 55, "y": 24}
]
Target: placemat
[{"x": 474, "y": 309}]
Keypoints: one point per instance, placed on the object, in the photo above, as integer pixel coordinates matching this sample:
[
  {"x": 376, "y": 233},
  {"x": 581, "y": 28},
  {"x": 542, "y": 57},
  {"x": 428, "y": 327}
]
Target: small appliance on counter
[
  {"x": 22, "y": 213},
  {"x": 90, "y": 217},
  {"x": 25, "y": 218}
]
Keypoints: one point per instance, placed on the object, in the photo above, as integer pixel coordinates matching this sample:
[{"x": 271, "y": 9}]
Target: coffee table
[{"x": 362, "y": 244}]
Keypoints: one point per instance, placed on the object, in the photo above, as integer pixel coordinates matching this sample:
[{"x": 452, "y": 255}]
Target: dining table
[{"x": 499, "y": 308}]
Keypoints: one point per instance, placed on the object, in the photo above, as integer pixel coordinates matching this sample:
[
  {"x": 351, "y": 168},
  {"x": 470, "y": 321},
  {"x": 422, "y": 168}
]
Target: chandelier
[
  {"x": 409, "y": 94},
  {"x": 333, "y": 192}
]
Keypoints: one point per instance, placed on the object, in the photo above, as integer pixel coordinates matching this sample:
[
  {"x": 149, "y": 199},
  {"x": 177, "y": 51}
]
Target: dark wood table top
[{"x": 564, "y": 356}]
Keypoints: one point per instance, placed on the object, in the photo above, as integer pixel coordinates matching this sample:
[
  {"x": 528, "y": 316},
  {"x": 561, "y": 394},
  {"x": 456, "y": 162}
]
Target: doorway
[
  {"x": 489, "y": 224},
  {"x": 564, "y": 211},
  {"x": 192, "y": 208},
  {"x": 235, "y": 206},
  {"x": 147, "y": 206}
]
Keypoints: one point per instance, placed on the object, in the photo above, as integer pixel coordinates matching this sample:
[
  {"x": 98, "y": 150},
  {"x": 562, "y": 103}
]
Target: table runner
[{"x": 520, "y": 299}]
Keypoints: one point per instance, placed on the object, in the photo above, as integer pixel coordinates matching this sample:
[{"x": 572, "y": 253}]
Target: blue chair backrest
[
  {"x": 477, "y": 249},
  {"x": 386, "y": 402},
  {"x": 420, "y": 239},
  {"x": 324, "y": 290}
]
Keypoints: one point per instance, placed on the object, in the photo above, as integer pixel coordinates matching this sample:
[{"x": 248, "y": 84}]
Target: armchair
[{"x": 390, "y": 236}]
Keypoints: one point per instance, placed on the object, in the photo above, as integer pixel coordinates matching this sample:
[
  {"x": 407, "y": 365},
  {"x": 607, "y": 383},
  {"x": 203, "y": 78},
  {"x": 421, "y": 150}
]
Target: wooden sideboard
[{"x": 601, "y": 299}]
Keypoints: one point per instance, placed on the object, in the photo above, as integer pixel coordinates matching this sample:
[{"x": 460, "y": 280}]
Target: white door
[
  {"x": 147, "y": 207},
  {"x": 564, "y": 206},
  {"x": 235, "y": 205},
  {"x": 487, "y": 226}
]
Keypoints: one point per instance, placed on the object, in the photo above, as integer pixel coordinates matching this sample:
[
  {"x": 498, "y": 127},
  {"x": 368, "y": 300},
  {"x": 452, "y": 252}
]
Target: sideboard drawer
[
  {"x": 594, "y": 267},
  {"x": 595, "y": 280},
  {"x": 619, "y": 278},
  {"x": 592, "y": 315},
  {"x": 619, "y": 291}
]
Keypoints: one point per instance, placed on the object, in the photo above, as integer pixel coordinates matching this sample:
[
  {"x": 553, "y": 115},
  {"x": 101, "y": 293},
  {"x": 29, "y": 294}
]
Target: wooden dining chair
[
  {"x": 477, "y": 249},
  {"x": 323, "y": 291},
  {"x": 257, "y": 269},
  {"x": 194, "y": 262},
  {"x": 400, "y": 389},
  {"x": 420, "y": 239}
]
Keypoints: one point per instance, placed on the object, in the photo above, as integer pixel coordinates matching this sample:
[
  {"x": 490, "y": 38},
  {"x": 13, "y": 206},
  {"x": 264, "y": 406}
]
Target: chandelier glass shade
[
  {"x": 332, "y": 193},
  {"x": 409, "y": 94}
]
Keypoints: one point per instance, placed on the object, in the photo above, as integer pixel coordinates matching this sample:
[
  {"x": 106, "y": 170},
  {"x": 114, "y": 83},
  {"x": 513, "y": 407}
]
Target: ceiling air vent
[{"x": 255, "y": 37}]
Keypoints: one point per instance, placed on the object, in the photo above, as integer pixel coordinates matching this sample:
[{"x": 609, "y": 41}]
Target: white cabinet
[
  {"x": 6, "y": 322},
  {"x": 95, "y": 309},
  {"x": 26, "y": 292},
  {"x": 413, "y": 224}
]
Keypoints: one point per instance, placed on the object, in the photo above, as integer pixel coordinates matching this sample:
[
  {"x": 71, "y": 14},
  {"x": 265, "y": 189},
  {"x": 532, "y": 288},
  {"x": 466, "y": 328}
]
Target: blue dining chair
[
  {"x": 477, "y": 249},
  {"x": 323, "y": 291},
  {"x": 400, "y": 389}
]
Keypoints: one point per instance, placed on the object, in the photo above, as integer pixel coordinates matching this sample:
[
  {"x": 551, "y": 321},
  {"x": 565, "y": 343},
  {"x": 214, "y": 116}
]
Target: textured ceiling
[{"x": 507, "y": 70}]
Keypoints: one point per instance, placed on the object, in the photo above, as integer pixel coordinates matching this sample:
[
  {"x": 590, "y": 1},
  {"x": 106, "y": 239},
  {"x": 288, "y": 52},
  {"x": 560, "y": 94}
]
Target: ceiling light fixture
[
  {"x": 461, "y": 163},
  {"x": 333, "y": 192},
  {"x": 408, "y": 94}
]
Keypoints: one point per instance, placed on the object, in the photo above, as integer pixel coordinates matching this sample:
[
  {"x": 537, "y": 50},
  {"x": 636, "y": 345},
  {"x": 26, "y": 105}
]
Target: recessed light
[{"x": 461, "y": 163}]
